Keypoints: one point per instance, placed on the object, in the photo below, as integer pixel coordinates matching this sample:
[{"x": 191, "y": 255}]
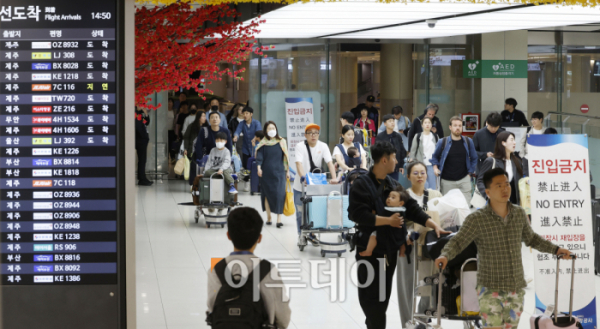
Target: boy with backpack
[{"x": 230, "y": 307}]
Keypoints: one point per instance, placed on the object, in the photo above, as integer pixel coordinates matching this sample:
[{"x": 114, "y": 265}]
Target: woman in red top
[{"x": 365, "y": 123}]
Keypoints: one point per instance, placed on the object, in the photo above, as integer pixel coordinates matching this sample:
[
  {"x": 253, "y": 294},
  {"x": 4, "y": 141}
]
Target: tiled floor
[{"x": 173, "y": 255}]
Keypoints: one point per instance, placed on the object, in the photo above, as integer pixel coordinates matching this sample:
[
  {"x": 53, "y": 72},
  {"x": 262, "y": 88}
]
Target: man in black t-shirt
[
  {"x": 455, "y": 160},
  {"x": 511, "y": 114}
]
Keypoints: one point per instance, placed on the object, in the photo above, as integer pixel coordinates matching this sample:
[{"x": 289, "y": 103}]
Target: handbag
[
  {"x": 478, "y": 201},
  {"x": 179, "y": 166},
  {"x": 186, "y": 168},
  {"x": 288, "y": 207}
]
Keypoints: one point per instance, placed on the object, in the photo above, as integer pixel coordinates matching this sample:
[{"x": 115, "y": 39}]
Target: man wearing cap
[
  {"x": 247, "y": 130},
  {"x": 347, "y": 119},
  {"x": 373, "y": 111},
  {"x": 309, "y": 156}
]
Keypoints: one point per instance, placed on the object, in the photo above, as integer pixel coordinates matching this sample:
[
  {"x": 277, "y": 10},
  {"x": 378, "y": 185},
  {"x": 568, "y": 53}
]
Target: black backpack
[{"x": 234, "y": 307}]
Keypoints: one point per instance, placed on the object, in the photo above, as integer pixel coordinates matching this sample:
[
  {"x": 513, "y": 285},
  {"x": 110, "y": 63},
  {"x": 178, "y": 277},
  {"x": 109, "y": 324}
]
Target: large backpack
[{"x": 235, "y": 308}]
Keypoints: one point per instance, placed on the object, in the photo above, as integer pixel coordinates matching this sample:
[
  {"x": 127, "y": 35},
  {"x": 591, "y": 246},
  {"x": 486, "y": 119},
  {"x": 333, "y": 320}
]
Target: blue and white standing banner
[
  {"x": 298, "y": 113},
  {"x": 561, "y": 212}
]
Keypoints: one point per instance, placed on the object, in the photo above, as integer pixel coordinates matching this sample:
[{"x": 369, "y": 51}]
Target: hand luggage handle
[
  {"x": 211, "y": 176},
  {"x": 556, "y": 287},
  {"x": 439, "y": 302}
]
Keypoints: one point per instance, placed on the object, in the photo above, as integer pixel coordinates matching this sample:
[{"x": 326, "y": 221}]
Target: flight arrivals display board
[{"x": 60, "y": 123}]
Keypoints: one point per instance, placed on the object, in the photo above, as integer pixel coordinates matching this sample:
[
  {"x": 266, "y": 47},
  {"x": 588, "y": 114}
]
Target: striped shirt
[{"x": 498, "y": 246}]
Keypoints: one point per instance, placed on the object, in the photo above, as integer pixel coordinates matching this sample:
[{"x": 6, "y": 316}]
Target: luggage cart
[
  {"x": 435, "y": 310},
  {"x": 334, "y": 218},
  {"x": 211, "y": 194}
]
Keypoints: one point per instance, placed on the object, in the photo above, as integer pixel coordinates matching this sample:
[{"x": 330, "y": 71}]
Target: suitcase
[
  {"x": 555, "y": 321},
  {"x": 202, "y": 191},
  {"x": 254, "y": 179},
  {"x": 317, "y": 211}
]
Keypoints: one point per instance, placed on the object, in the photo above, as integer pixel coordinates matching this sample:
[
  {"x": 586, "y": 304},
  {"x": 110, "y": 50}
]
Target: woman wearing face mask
[
  {"x": 505, "y": 158},
  {"x": 422, "y": 148},
  {"x": 207, "y": 136},
  {"x": 273, "y": 170}
]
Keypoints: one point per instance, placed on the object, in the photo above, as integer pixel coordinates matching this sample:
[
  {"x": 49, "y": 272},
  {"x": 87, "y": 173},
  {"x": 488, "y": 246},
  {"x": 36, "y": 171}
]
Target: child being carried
[{"x": 397, "y": 198}]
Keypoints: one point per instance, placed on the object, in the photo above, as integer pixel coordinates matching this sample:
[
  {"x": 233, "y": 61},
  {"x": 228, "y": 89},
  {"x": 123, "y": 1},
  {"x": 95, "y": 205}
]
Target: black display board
[{"x": 61, "y": 164}]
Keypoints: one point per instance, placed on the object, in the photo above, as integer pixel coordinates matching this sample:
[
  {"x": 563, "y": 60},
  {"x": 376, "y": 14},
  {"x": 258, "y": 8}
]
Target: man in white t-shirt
[
  {"x": 319, "y": 151},
  {"x": 537, "y": 128}
]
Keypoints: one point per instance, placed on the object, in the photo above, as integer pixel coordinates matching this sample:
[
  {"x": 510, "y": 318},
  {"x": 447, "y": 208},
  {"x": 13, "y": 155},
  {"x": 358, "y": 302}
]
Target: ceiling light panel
[{"x": 315, "y": 19}]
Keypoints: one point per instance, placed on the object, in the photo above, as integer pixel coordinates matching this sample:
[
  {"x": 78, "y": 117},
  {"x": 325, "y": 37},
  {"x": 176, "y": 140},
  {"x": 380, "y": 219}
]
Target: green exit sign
[{"x": 495, "y": 69}]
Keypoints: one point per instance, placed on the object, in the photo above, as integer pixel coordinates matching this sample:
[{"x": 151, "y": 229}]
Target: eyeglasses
[
  {"x": 419, "y": 173},
  {"x": 312, "y": 134}
]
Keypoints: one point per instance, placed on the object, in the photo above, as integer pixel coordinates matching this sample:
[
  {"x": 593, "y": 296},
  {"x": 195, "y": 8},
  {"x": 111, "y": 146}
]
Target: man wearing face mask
[
  {"x": 214, "y": 107},
  {"x": 247, "y": 129},
  {"x": 207, "y": 136}
]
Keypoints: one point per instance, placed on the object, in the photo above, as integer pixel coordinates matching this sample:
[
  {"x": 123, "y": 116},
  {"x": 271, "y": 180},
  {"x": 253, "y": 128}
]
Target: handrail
[{"x": 575, "y": 114}]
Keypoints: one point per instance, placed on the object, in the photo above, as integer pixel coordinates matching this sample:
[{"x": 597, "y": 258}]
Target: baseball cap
[
  {"x": 312, "y": 126},
  {"x": 349, "y": 116},
  {"x": 371, "y": 98}
]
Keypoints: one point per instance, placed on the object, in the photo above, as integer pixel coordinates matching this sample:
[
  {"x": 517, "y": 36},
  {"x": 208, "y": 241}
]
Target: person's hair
[
  {"x": 489, "y": 176},
  {"x": 500, "y": 150},
  {"x": 206, "y": 106},
  {"x": 388, "y": 117},
  {"x": 432, "y": 106},
  {"x": 511, "y": 101},
  {"x": 221, "y": 135},
  {"x": 364, "y": 108},
  {"x": 537, "y": 115},
  {"x": 277, "y": 137},
  {"x": 260, "y": 134},
  {"x": 214, "y": 99},
  {"x": 347, "y": 128},
  {"x": 193, "y": 104},
  {"x": 404, "y": 196},
  {"x": 348, "y": 116},
  {"x": 494, "y": 119},
  {"x": 198, "y": 117},
  {"x": 244, "y": 225},
  {"x": 455, "y": 118},
  {"x": 426, "y": 118},
  {"x": 352, "y": 151},
  {"x": 550, "y": 131},
  {"x": 184, "y": 103},
  {"x": 381, "y": 149},
  {"x": 412, "y": 165},
  {"x": 397, "y": 110},
  {"x": 171, "y": 100},
  {"x": 214, "y": 113},
  {"x": 248, "y": 109}
]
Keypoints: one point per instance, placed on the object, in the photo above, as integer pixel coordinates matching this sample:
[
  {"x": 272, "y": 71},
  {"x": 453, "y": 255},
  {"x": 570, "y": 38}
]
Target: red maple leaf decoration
[{"x": 174, "y": 41}]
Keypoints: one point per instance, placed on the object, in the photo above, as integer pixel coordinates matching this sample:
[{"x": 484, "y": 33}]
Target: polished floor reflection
[{"x": 173, "y": 255}]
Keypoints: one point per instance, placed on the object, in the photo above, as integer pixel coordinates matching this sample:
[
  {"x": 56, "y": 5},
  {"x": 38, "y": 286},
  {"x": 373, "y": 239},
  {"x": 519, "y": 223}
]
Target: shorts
[{"x": 500, "y": 308}]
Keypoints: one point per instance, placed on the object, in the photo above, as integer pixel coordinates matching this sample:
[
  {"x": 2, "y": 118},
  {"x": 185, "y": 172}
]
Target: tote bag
[{"x": 288, "y": 207}]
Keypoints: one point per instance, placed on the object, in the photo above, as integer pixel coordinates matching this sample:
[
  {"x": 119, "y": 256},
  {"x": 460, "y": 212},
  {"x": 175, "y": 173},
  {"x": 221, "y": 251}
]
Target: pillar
[
  {"x": 510, "y": 45},
  {"x": 396, "y": 83},
  {"x": 348, "y": 75}
]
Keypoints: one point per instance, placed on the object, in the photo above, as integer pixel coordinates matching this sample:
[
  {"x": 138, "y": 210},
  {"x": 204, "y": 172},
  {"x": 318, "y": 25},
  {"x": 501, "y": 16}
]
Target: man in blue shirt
[
  {"x": 247, "y": 129},
  {"x": 215, "y": 106}
]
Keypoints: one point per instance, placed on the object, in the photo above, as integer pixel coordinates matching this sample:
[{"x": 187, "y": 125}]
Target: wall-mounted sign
[
  {"x": 584, "y": 108},
  {"x": 499, "y": 69}
]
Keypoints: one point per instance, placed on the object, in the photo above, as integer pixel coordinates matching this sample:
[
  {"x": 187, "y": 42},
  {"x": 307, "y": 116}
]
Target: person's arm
[
  {"x": 238, "y": 130},
  {"x": 363, "y": 156},
  {"x": 260, "y": 156},
  {"x": 229, "y": 144},
  {"x": 467, "y": 233},
  {"x": 329, "y": 161},
  {"x": 223, "y": 120},
  {"x": 435, "y": 158},
  {"x": 209, "y": 161},
  {"x": 523, "y": 152},
  {"x": 198, "y": 151},
  {"x": 485, "y": 166},
  {"x": 413, "y": 149},
  {"x": 332, "y": 171},
  {"x": 301, "y": 173},
  {"x": 226, "y": 162},
  {"x": 473, "y": 157},
  {"x": 532, "y": 239},
  {"x": 361, "y": 212},
  {"x": 381, "y": 128},
  {"x": 213, "y": 287},
  {"x": 146, "y": 117},
  {"x": 524, "y": 122},
  {"x": 412, "y": 133},
  {"x": 340, "y": 161}
]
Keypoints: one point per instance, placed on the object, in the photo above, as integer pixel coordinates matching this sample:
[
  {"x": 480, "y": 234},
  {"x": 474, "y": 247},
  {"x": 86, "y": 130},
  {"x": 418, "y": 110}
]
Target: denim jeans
[
  {"x": 431, "y": 179},
  {"x": 298, "y": 204}
]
